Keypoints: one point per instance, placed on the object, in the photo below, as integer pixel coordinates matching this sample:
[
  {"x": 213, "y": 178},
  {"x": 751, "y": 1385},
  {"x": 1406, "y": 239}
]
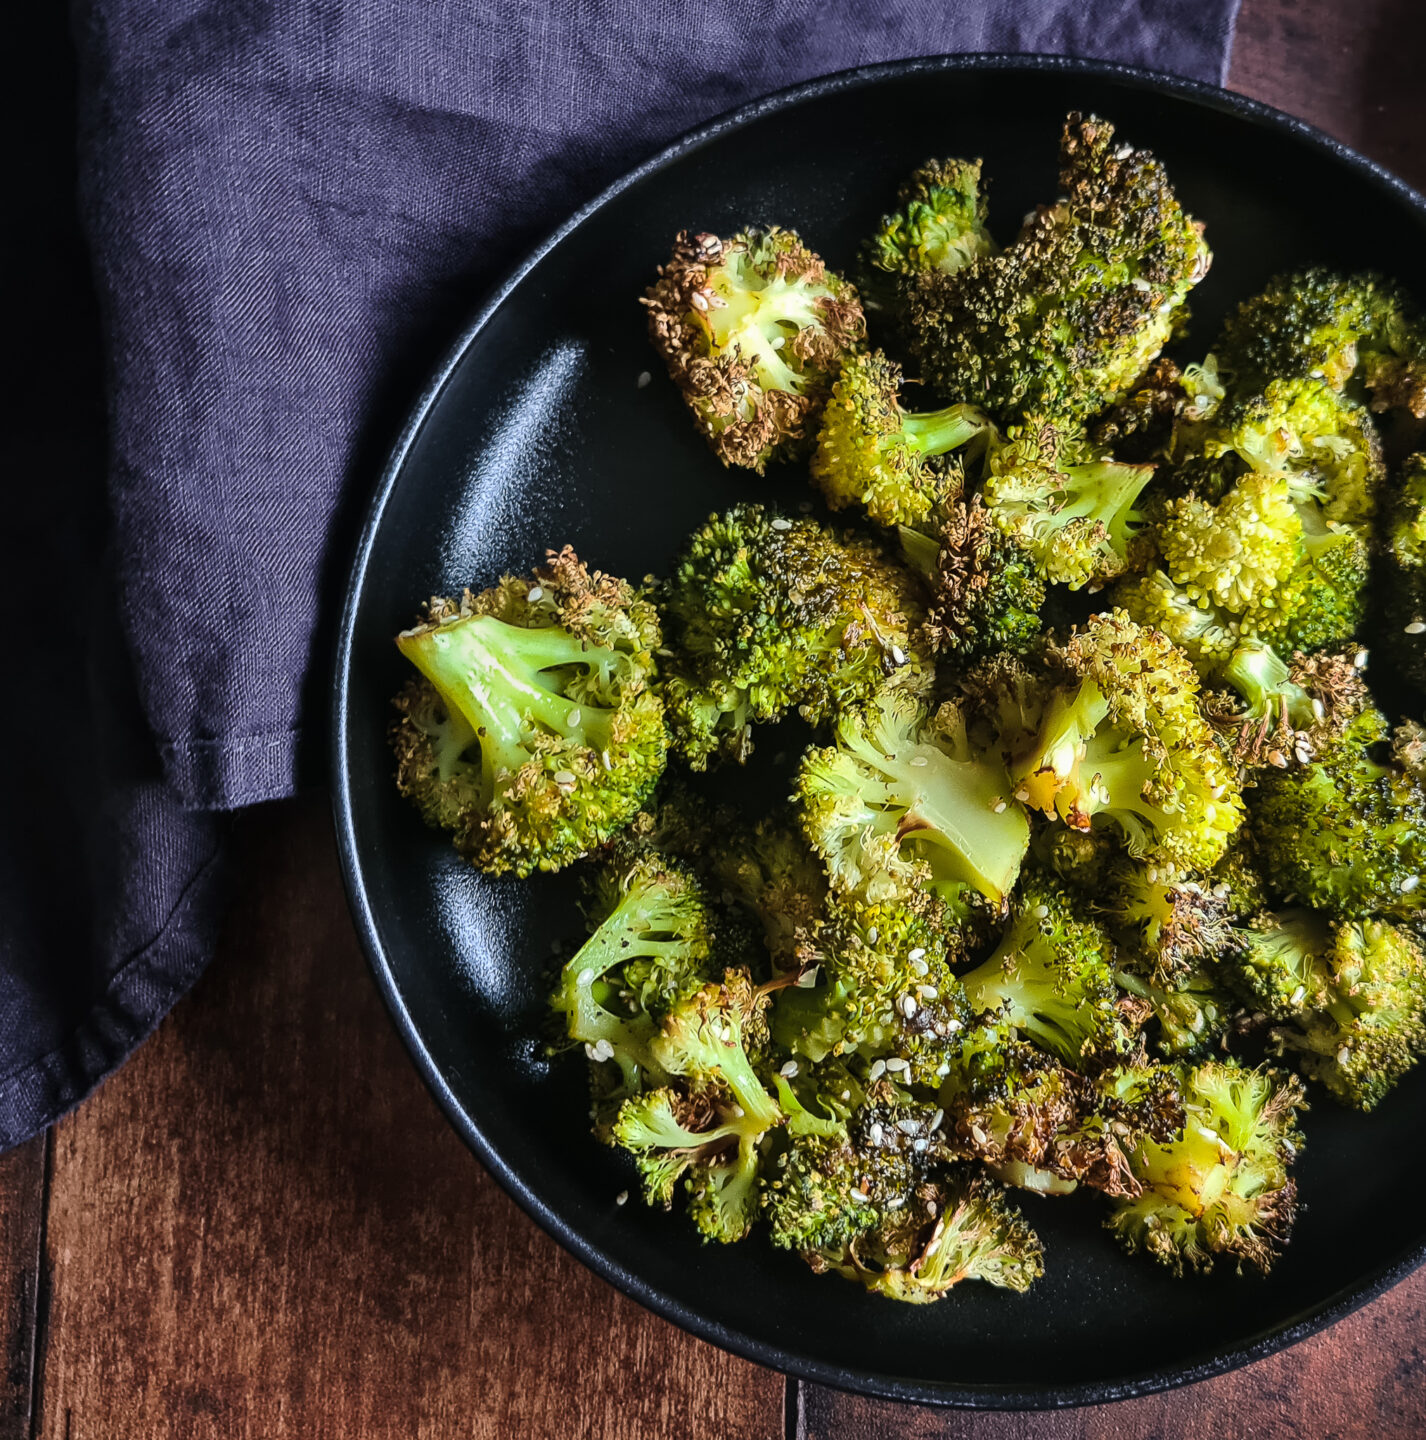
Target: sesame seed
[
  {"x": 908, "y": 1127},
  {"x": 927, "y": 992},
  {"x": 919, "y": 1145},
  {"x": 918, "y": 760},
  {"x": 874, "y": 1134},
  {"x": 644, "y": 379},
  {"x": 1409, "y": 884},
  {"x": 908, "y": 1005},
  {"x": 1041, "y": 912},
  {"x": 977, "y": 1134},
  {"x": 536, "y": 593},
  {"x": 846, "y": 1094},
  {"x": 575, "y": 716},
  {"x": 1359, "y": 660},
  {"x": 896, "y": 1065},
  {"x": 1022, "y": 795},
  {"x": 605, "y": 761},
  {"x": 944, "y": 1068},
  {"x": 585, "y": 977},
  {"x": 566, "y": 779},
  {"x": 1319, "y": 710},
  {"x": 781, "y": 524},
  {"x": 622, "y": 1198},
  {"x": 1344, "y": 1054},
  {"x": 951, "y": 1027},
  {"x": 899, "y": 655},
  {"x": 788, "y": 1070},
  {"x": 1141, "y": 284},
  {"x": 920, "y": 966},
  {"x": 1417, "y": 627},
  {"x": 896, "y": 1204},
  {"x": 878, "y": 1069},
  {"x": 872, "y": 934},
  {"x": 936, "y": 1121},
  {"x": 999, "y": 806},
  {"x": 916, "y": 954}
]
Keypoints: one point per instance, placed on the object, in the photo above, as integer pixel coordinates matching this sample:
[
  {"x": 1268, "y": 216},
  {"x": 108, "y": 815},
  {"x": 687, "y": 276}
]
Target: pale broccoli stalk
[
  {"x": 535, "y": 735},
  {"x": 903, "y": 803},
  {"x": 1220, "y": 1189},
  {"x": 752, "y": 330},
  {"x": 873, "y": 453}
]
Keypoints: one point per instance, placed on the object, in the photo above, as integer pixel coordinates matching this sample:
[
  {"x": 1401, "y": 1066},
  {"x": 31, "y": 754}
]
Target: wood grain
[
  {"x": 22, "y": 1189},
  {"x": 1354, "y": 70},
  {"x": 263, "y": 1228},
  {"x": 1364, "y": 1379}
]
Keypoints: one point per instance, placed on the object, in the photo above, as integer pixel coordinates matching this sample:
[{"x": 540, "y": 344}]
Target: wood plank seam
[{"x": 44, "y": 1288}]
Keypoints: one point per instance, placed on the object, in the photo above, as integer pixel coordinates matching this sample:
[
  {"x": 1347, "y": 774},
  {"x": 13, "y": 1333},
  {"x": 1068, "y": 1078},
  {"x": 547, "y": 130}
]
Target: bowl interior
[{"x": 542, "y": 434}]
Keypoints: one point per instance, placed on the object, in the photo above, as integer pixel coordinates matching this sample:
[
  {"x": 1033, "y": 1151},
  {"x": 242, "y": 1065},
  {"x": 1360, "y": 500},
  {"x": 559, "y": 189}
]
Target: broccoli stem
[
  {"x": 498, "y": 678},
  {"x": 946, "y": 810},
  {"x": 1261, "y": 677},
  {"x": 933, "y": 432}
]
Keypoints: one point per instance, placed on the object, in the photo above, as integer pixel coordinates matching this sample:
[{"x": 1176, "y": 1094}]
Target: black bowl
[{"x": 536, "y": 431}]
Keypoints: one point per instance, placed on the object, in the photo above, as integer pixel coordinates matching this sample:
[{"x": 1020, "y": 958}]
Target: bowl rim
[{"x": 802, "y": 1367}]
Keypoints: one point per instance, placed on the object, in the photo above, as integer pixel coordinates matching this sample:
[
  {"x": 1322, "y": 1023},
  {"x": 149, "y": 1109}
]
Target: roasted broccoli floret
[
  {"x": 769, "y": 868},
  {"x": 1066, "y": 319},
  {"x": 903, "y": 803},
  {"x": 1042, "y": 1126},
  {"x": 1188, "y": 1013},
  {"x": 1070, "y": 509},
  {"x": 893, "y": 462},
  {"x": 1220, "y": 1189},
  {"x": 883, "y": 990},
  {"x": 1321, "y": 600},
  {"x": 1345, "y": 833},
  {"x": 710, "y": 1125},
  {"x": 1319, "y": 325},
  {"x": 938, "y": 226},
  {"x": 1168, "y": 927},
  {"x": 535, "y": 733},
  {"x": 764, "y": 614},
  {"x": 986, "y": 591},
  {"x": 1352, "y": 996},
  {"x": 752, "y": 330},
  {"x": 1052, "y": 978},
  {"x": 1153, "y": 422},
  {"x": 871, "y": 1212},
  {"x": 1402, "y": 580},
  {"x": 1235, "y": 552},
  {"x": 652, "y": 942},
  {"x": 1324, "y": 445},
  {"x": 1122, "y": 741}
]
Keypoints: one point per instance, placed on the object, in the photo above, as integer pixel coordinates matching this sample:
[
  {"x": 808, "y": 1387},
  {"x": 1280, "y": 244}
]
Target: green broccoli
[
  {"x": 1052, "y": 978},
  {"x": 1402, "y": 580},
  {"x": 652, "y": 944},
  {"x": 1037, "y": 1124},
  {"x": 1318, "y": 325},
  {"x": 1068, "y": 317},
  {"x": 872, "y": 1212},
  {"x": 1220, "y": 1189},
  {"x": 1352, "y": 996},
  {"x": 535, "y": 733},
  {"x": 873, "y": 453},
  {"x": 1155, "y": 421},
  {"x": 1169, "y": 927},
  {"x": 764, "y": 614},
  {"x": 1345, "y": 833},
  {"x": 1069, "y": 508},
  {"x": 938, "y": 227},
  {"x": 986, "y": 592},
  {"x": 904, "y": 803},
  {"x": 1122, "y": 739},
  {"x": 752, "y": 330},
  {"x": 1190, "y": 1011},
  {"x": 703, "y": 1043}
]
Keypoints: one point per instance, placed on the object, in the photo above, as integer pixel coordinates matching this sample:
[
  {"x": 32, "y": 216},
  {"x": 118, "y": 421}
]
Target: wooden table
[{"x": 262, "y": 1228}]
